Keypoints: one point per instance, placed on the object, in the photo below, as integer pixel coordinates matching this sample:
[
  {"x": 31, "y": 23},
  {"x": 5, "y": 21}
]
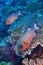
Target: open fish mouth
[{"x": 7, "y": 22}]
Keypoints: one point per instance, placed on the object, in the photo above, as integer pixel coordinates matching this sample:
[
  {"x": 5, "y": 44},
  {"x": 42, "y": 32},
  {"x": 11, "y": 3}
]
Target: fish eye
[
  {"x": 7, "y": 21},
  {"x": 26, "y": 43}
]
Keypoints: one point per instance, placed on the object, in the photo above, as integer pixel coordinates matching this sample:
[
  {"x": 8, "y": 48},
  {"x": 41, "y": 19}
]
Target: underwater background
[{"x": 32, "y": 11}]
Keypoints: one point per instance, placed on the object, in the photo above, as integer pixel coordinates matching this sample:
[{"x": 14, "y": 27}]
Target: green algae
[{"x": 3, "y": 63}]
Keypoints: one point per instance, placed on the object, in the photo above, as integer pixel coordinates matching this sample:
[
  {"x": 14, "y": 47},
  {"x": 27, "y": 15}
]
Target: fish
[
  {"x": 12, "y": 18},
  {"x": 28, "y": 36}
]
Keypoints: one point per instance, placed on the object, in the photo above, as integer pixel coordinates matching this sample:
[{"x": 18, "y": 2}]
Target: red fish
[
  {"x": 28, "y": 37},
  {"x": 12, "y": 18}
]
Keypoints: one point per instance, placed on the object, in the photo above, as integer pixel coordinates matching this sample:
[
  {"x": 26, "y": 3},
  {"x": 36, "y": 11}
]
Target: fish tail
[
  {"x": 19, "y": 13},
  {"x": 36, "y": 26}
]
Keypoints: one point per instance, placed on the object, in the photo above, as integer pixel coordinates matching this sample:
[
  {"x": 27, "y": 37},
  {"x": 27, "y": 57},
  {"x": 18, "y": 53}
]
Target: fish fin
[
  {"x": 29, "y": 28},
  {"x": 34, "y": 34}
]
